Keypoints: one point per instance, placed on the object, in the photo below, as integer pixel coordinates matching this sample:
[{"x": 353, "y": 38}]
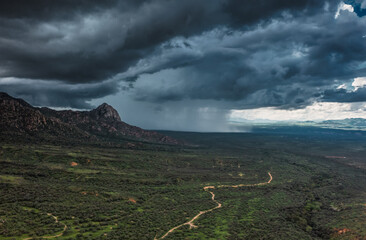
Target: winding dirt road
[
  {"x": 53, "y": 236},
  {"x": 219, "y": 205}
]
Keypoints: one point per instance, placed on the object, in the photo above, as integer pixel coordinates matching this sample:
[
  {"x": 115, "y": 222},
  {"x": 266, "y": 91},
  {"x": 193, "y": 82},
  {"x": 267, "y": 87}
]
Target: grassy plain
[{"x": 141, "y": 193}]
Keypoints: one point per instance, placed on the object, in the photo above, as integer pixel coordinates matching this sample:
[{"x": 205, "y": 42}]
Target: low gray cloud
[{"x": 93, "y": 41}]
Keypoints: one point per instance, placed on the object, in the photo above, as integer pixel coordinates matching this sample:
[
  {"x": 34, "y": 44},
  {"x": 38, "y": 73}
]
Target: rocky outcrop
[{"x": 105, "y": 112}]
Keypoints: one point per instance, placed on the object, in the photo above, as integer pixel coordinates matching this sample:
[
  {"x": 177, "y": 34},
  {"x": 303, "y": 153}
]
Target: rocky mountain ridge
[{"x": 18, "y": 117}]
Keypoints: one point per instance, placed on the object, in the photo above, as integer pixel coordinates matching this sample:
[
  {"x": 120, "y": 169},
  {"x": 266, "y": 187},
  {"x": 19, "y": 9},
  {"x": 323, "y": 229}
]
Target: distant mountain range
[
  {"x": 344, "y": 124},
  {"x": 20, "y": 119},
  {"x": 355, "y": 122}
]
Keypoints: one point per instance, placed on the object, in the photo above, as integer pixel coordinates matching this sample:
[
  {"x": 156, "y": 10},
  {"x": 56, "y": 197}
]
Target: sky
[{"x": 188, "y": 65}]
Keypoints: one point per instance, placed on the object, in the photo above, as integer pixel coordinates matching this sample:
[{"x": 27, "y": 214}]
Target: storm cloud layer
[{"x": 222, "y": 54}]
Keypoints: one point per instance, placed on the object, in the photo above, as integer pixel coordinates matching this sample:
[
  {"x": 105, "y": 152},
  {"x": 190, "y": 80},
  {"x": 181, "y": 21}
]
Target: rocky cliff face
[
  {"x": 18, "y": 116},
  {"x": 105, "y": 112}
]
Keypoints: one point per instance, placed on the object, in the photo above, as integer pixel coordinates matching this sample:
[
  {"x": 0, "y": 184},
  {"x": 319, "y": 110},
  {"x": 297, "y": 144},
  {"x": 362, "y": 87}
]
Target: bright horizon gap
[{"x": 319, "y": 111}]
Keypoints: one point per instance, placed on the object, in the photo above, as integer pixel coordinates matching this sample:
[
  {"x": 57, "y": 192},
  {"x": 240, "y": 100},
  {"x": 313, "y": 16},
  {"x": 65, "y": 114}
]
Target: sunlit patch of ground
[{"x": 11, "y": 179}]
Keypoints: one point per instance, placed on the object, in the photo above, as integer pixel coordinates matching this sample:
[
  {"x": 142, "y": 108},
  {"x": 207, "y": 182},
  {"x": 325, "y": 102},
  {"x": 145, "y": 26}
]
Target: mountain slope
[
  {"x": 17, "y": 117},
  {"x": 104, "y": 121}
]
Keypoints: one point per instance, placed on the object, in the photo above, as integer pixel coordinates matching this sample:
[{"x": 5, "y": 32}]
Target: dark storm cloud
[
  {"x": 58, "y": 94},
  {"x": 45, "y": 9},
  {"x": 342, "y": 95},
  {"x": 91, "y": 42},
  {"x": 244, "y": 12},
  {"x": 247, "y": 54},
  {"x": 84, "y": 41},
  {"x": 285, "y": 63}
]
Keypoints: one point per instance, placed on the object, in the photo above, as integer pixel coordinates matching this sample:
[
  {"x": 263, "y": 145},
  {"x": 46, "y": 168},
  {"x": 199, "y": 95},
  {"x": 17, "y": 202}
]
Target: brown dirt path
[
  {"x": 219, "y": 205},
  {"x": 53, "y": 236}
]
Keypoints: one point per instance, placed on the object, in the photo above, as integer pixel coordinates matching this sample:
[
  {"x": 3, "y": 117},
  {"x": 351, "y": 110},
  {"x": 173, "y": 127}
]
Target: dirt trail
[
  {"x": 54, "y": 236},
  {"x": 219, "y": 205}
]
